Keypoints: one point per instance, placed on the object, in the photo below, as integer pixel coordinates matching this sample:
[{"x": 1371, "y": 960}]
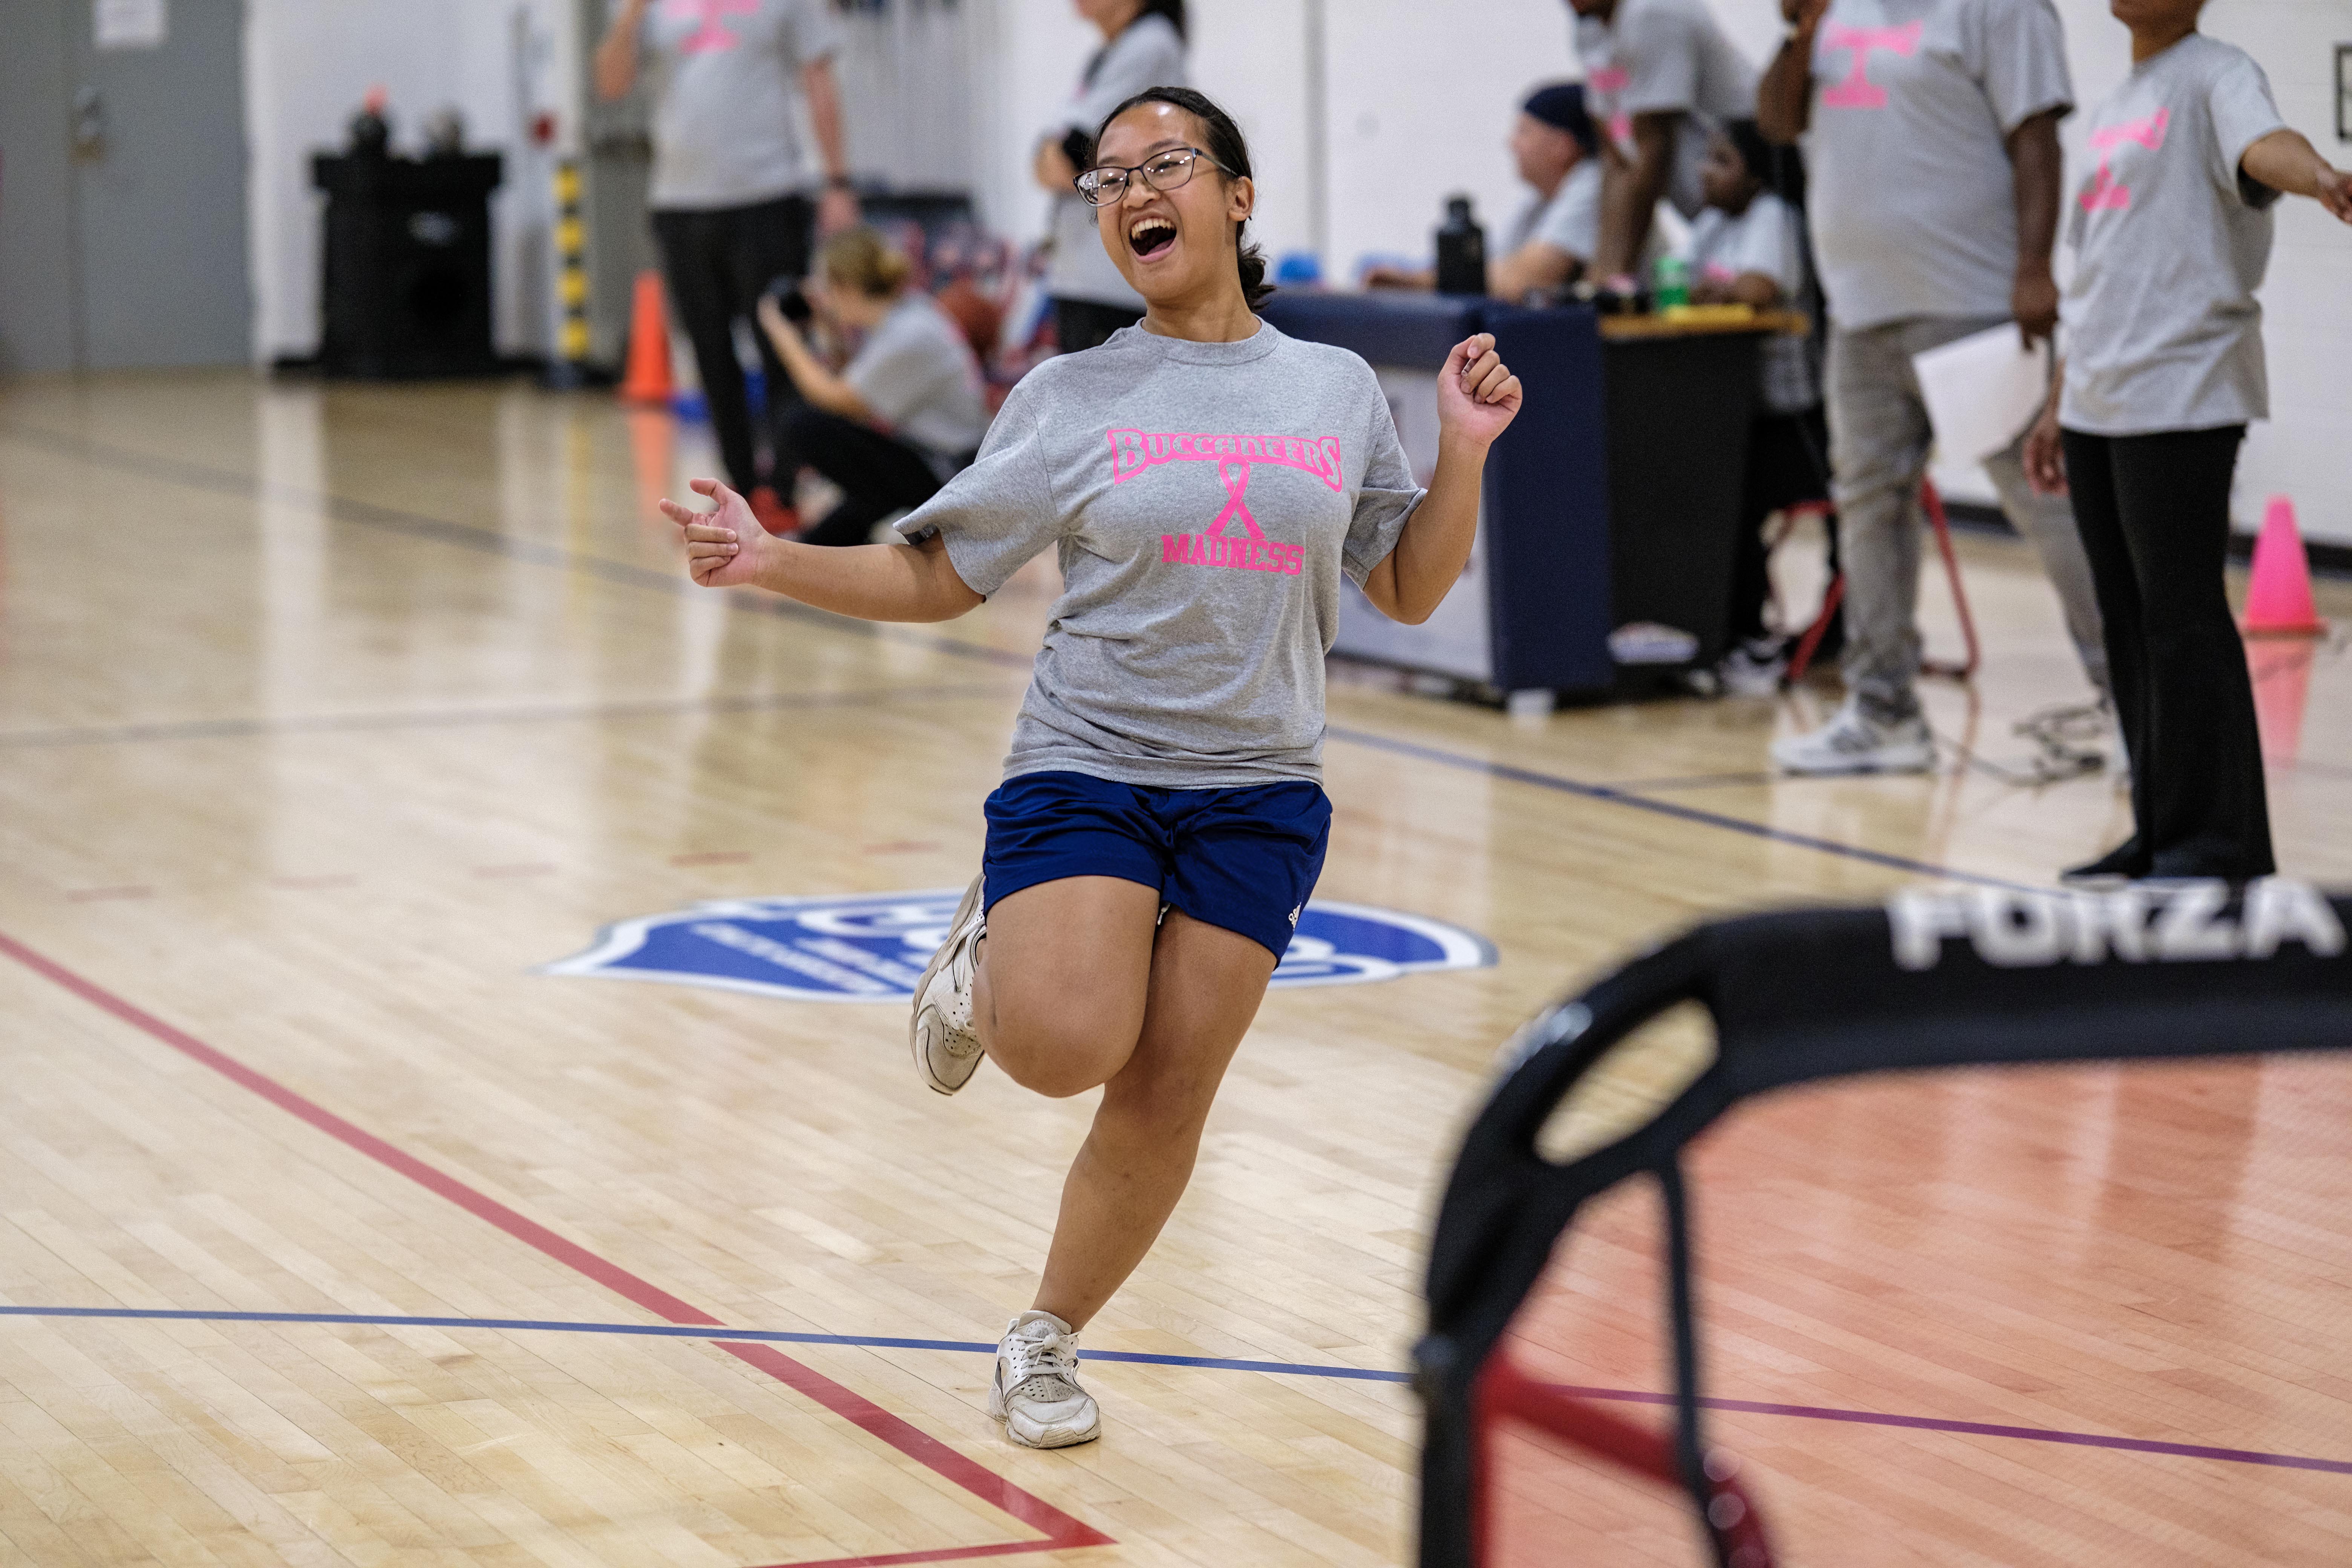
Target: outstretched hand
[
  {"x": 2334, "y": 192},
  {"x": 724, "y": 548},
  {"x": 1477, "y": 395}
]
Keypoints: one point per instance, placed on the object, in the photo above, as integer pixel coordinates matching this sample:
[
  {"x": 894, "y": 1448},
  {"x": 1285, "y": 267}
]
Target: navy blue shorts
[{"x": 1244, "y": 859}]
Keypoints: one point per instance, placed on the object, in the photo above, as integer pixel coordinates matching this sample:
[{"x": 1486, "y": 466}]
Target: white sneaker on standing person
[
  {"x": 2164, "y": 371},
  {"x": 1933, "y": 203},
  {"x": 1142, "y": 45},
  {"x": 1660, "y": 78},
  {"x": 1208, "y": 483}
]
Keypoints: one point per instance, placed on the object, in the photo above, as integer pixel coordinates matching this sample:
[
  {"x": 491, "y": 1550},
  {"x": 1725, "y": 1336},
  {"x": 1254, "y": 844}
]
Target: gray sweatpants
[{"x": 1879, "y": 438}]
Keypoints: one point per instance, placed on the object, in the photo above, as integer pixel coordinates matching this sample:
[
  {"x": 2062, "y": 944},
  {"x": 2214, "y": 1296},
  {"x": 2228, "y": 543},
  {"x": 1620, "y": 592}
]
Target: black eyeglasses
[{"x": 1162, "y": 172}]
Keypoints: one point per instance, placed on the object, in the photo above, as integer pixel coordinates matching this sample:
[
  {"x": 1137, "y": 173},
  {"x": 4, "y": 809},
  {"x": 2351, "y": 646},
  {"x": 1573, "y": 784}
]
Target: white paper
[
  {"x": 1982, "y": 392},
  {"x": 128, "y": 23}
]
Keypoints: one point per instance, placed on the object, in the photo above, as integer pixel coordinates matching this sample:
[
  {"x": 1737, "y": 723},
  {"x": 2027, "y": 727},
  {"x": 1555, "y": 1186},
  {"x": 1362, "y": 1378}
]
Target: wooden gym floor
[{"x": 326, "y": 714}]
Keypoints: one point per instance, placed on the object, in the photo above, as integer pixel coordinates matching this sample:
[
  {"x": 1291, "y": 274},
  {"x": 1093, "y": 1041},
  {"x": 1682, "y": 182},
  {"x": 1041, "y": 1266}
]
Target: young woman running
[
  {"x": 2164, "y": 370},
  {"x": 1205, "y": 481}
]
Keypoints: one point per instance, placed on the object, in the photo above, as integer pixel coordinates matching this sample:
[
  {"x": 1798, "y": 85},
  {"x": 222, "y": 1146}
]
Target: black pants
[
  {"x": 1083, "y": 324},
  {"x": 2155, "y": 515},
  {"x": 718, "y": 262},
  {"x": 1788, "y": 464},
  {"x": 878, "y": 473}
]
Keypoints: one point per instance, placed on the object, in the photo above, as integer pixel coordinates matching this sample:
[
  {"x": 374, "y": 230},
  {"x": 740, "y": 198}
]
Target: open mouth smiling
[{"x": 1148, "y": 237}]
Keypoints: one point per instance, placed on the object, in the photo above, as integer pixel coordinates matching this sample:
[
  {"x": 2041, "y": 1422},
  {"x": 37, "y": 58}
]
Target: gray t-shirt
[
  {"x": 2171, "y": 241},
  {"x": 917, "y": 371},
  {"x": 1659, "y": 57},
  {"x": 1204, "y": 500},
  {"x": 1762, "y": 239},
  {"x": 1571, "y": 221},
  {"x": 1148, "y": 53},
  {"x": 1913, "y": 201},
  {"x": 727, "y": 99}
]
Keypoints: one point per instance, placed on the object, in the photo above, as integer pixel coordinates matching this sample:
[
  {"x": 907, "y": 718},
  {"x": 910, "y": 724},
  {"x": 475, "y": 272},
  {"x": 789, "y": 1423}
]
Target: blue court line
[
  {"x": 1213, "y": 1363},
  {"x": 1691, "y": 814},
  {"x": 454, "y": 718},
  {"x": 468, "y": 536},
  {"x": 688, "y": 1332}
]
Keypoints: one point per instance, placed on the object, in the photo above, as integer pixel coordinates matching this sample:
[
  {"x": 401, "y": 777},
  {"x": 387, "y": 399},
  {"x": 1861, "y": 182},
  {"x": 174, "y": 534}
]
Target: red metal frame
[
  {"x": 1802, "y": 660},
  {"x": 1504, "y": 1391}
]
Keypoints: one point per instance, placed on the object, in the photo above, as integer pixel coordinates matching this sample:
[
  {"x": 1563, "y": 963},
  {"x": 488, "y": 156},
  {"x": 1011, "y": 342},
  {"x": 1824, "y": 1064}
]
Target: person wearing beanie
[{"x": 1551, "y": 243}]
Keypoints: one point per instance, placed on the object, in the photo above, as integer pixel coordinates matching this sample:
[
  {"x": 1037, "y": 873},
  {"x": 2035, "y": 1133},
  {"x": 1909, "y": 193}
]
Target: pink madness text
[
  {"x": 1133, "y": 451},
  {"x": 2105, "y": 192},
  {"x": 1857, "y": 90}
]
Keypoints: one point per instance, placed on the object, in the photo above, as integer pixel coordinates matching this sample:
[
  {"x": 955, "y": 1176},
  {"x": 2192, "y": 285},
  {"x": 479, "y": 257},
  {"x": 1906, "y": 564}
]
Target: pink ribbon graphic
[
  {"x": 2107, "y": 192},
  {"x": 713, "y": 34},
  {"x": 1233, "y": 473},
  {"x": 1857, "y": 90}
]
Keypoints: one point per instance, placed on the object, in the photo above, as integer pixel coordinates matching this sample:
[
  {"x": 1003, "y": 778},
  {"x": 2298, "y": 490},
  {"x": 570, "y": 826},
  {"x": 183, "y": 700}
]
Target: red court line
[{"x": 1061, "y": 1530}]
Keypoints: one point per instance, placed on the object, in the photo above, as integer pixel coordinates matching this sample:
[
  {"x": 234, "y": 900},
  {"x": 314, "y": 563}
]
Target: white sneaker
[
  {"x": 1035, "y": 1391},
  {"x": 1754, "y": 668},
  {"x": 1853, "y": 742},
  {"x": 946, "y": 1048}
]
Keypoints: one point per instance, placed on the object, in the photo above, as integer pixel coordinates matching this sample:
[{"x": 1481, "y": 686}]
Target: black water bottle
[{"x": 1461, "y": 250}]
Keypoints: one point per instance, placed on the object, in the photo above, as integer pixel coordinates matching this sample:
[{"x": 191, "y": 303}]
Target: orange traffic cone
[
  {"x": 2278, "y": 600},
  {"x": 648, "y": 374}
]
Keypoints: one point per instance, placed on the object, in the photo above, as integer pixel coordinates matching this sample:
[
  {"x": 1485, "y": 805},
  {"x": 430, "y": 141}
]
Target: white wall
[
  {"x": 1420, "y": 96},
  {"x": 308, "y": 64}
]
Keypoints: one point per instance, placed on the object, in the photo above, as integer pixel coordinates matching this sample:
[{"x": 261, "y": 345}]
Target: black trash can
[{"x": 407, "y": 282}]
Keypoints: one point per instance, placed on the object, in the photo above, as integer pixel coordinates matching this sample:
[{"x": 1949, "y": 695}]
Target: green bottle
[{"x": 1673, "y": 282}]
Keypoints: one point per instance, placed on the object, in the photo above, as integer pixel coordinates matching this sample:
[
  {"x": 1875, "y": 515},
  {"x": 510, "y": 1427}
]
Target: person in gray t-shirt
[
  {"x": 1660, "y": 78},
  {"x": 1933, "y": 203},
  {"x": 1143, "y": 45},
  {"x": 1556, "y": 148},
  {"x": 2164, "y": 370},
  {"x": 908, "y": 409},
  {"x": 730, "y": 192},
  {"x": 1210, "y": 487}
]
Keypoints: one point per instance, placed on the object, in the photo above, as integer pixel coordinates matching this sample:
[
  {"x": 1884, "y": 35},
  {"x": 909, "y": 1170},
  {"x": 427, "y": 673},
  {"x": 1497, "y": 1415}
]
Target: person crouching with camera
[{"x": 904, "y": 414}]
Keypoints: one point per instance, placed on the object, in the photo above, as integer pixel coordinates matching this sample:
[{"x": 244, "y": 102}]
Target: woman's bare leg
[
  {"x": 1076, "y": 989},
  {"x": 1205, "y": 987},
  {"x": 1059, "y": 999}
]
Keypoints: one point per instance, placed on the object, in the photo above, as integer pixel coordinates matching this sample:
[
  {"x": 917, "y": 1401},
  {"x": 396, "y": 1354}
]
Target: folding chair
[
  {"x": 1932, "y": 501},
  {"x": 1981, "y": 977}
]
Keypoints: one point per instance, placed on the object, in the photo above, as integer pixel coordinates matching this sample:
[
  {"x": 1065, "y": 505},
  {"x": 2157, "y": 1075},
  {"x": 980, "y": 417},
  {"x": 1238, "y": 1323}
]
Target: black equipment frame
[{"x": 1984, "y": 976}]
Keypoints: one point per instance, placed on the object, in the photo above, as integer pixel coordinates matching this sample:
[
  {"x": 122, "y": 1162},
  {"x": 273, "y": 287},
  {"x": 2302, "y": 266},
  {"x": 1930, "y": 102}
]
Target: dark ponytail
[{"x": 1227, "y": 145}]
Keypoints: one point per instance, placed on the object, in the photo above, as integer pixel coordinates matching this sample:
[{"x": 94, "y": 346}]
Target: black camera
[{"x": 789, "y": 299}]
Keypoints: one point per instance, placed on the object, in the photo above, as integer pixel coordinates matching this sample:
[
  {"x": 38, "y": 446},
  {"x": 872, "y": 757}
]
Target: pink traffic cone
[
  {"x": 2281, "y": 673},
  {"x": 2278, "y": 600}
]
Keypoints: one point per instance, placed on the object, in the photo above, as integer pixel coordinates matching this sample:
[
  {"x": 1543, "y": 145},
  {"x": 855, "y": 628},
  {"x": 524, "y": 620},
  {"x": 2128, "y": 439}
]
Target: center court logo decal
[{"x": 873, "y": 948}]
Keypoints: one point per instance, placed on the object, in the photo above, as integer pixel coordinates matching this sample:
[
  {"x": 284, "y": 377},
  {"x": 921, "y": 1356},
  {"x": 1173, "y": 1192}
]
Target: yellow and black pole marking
[{"x": 571, "y": 275}]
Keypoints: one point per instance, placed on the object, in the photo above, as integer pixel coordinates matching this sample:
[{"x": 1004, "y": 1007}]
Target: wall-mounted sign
[{"x": 128, "y": 23}]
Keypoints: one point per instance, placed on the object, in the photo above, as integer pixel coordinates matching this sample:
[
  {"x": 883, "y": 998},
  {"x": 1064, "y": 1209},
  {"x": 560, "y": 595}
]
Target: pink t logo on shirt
[
  {"x": 1609, "y": 81},
  {"x": 1857, "y": 90},
  {"x": 1133, "y": 451},
  {"x": 712, "y": 35},
  {"x": 2107, "y": 194}
]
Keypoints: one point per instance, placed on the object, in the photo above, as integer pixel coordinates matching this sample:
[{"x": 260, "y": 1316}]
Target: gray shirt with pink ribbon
[
  {"x": 1204, "y": 500},
  {"x": 1913, "y": 201},
  {"x": 2171, "y": 240}
]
